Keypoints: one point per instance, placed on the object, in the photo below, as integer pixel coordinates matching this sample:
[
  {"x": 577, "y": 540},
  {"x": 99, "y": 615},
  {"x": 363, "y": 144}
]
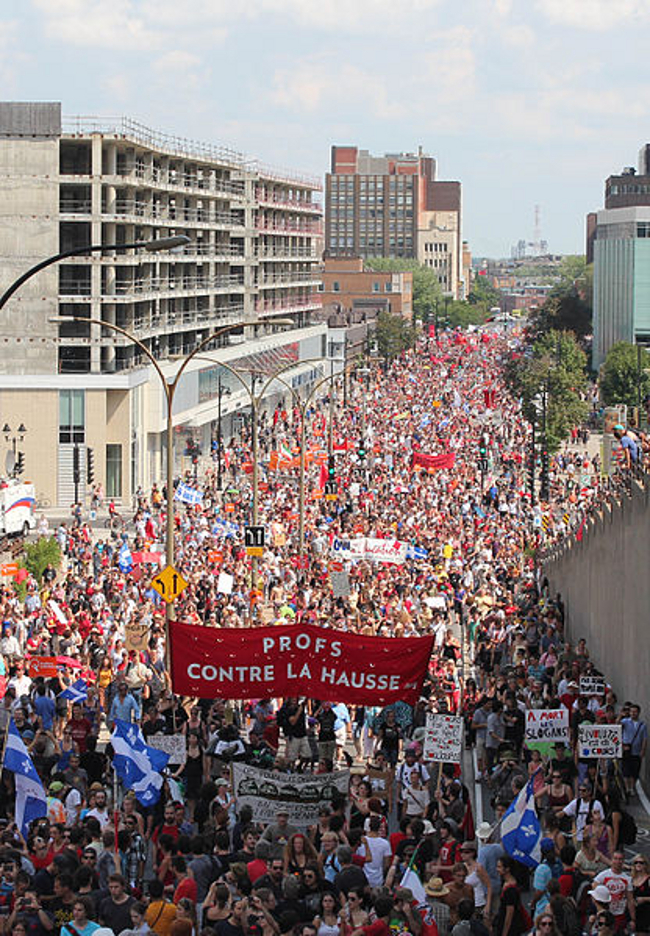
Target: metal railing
[{"x": 127, "y": 128}]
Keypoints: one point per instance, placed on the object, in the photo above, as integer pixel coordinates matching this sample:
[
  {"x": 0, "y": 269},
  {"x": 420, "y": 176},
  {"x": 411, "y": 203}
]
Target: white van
[{"x": 17, "y": 508}]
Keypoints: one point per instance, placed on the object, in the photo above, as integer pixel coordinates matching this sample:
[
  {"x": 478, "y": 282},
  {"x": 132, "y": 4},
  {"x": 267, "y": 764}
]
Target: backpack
[{"x": 628, "y": 830}]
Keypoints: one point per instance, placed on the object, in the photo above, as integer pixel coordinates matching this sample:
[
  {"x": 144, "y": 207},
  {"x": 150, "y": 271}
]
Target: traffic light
[
  {"x": 90, "y": 465},
  {"x": 331, "y": 468},
  {"x": 361, "y": 450},
  {"x": 531, "y": 474},
  {"x": 76, "y": 476},
  {"x": 19, "y": 467},
  {"x": 544, "y": 479}
]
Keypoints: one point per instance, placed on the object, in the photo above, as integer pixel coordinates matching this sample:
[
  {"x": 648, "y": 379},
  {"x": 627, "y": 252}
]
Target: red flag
[
  {"x": 580, "y": 530},
  {"x": 323, "y": 476}
]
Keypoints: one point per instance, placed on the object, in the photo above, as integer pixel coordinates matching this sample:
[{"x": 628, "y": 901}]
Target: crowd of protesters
[{"x": 197, "y": 862}]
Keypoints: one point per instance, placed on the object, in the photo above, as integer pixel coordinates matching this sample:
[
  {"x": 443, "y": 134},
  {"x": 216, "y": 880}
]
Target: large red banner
[
  {"x": 297, "y": 660},
  {"x": 433, "y": 461}
]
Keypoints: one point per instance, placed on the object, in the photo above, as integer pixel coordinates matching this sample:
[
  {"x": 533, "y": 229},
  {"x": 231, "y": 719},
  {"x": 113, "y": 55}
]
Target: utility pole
[
  {"x": 219, "y": 436},
  {"x": 544, "y": 481}
]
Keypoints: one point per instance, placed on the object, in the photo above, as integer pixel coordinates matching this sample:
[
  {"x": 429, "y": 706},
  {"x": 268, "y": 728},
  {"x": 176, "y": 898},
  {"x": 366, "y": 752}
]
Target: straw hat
[{"x": 436, "y": 888}]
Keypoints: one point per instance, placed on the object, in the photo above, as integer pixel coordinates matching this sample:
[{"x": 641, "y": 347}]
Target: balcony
[
  {"x": 284, "y": 307},
  {"x": 290, "y": 204},
  {"x": 273, "y": 227}
]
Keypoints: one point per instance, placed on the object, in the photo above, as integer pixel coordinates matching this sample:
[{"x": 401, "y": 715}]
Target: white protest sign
[
  {"x": 600, "y": 740},
  {"x": 547, "y": 725},
  {"x": 174, "y": 745},
  {"x": 443, "y": 738},
  {"x": 225, "y": 583},
  {"x": 340, "y": 584},
  {"x": 592, "y": 685},
  {"x": 266, "y": 791}
]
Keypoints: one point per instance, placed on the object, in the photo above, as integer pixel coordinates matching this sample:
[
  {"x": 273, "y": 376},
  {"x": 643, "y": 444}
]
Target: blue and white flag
[
  {"x": 124, "y": 558},
  {"x": 77, "y": 692},
  {"x": 187, "y": 494},
  {"x": 31, "y": 799},
  {"x": 417, "y": 552},
  {"x": 225, "y": 528},
  {"x": 136, "y": 764},
  {"x": 521, "y": 832}
]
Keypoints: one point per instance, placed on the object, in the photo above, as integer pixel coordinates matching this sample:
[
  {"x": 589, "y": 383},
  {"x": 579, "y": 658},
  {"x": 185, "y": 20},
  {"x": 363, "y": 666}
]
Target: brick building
[{"x": 349, "y": 288}]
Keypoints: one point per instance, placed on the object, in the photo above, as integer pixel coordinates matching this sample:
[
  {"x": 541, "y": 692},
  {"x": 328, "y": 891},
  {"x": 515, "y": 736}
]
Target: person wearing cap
[
  {"x": 630, "y": 444},
  {"x": 489, "y": 854},
  {"x": 55, "y": 807},
  {"x": 619, "y": 886}
]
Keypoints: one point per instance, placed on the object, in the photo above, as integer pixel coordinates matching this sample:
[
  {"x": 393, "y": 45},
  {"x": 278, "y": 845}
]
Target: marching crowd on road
[{"x": 122, "y": 842}]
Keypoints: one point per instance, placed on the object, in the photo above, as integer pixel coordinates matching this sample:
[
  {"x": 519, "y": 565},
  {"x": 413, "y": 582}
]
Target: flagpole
[{"x": 4, "y": 743}]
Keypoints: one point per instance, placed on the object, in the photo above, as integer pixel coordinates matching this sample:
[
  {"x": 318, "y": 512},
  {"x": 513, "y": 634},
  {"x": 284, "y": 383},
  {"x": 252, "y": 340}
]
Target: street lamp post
[{"x": 16, "y": 467}]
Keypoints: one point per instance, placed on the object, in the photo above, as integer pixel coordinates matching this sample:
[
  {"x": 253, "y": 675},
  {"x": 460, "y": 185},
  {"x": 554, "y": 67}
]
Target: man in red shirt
[
  {"x": 383, "y": 910},
  {"x": 79, "y": 727},
  {"x": 185, "y": 885}
]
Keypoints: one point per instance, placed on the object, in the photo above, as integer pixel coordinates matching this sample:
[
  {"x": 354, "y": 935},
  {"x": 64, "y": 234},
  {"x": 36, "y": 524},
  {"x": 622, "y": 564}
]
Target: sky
[{"x": 526, "y": 102}]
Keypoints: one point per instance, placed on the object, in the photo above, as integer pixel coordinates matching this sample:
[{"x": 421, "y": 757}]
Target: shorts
[
  {"x": 341, "y": 736},
  {"x": 480, "y": 750},
  {"x": 298, "y": 749},
  {"x": 327, "y": 750},
  {"x": 631, "y": 765}
]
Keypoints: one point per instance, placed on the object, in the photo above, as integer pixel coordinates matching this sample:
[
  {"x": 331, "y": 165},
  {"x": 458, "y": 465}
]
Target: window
[
  {"x": 376, "y": 287},
  {"x": 388, "y": 286},
  {"x": 643, "y": 229},
  {"x": 336, "y": 286},
  {"x": 72, "y": 417},
  {"x": 114, "y": 470}
]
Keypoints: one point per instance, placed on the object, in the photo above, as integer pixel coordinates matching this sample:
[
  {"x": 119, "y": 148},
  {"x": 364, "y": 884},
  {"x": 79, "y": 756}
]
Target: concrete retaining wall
[{"x": 605, "y": 583}]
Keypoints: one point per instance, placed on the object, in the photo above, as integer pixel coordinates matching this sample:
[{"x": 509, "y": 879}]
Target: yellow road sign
[{"x": 169, "y": 584}]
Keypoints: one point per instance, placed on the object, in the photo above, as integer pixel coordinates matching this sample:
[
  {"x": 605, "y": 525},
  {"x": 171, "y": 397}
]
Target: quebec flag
[
  {"x": 521, "y": 832},
  {"x": 136, "y": 764},
  {"x": 31, "y": 800},
  {"x": 77, "y": 692},
  {"x": 124, "y": 558}
]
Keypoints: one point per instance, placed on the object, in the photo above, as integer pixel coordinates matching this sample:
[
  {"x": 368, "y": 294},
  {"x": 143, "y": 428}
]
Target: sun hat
[
  {"x": 601, "y": 894},
  {"x": 436, "y": 888}
]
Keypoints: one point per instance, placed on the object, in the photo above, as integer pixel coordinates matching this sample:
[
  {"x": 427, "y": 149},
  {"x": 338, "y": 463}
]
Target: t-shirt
[
  {"x": 378, "y": 928},
  {"x": 116, "y": 916},
  {"x": 326, "y": 721},
  {"x": 186, "y": 888},
  {"x": 542, "y": 876},
  {"x": 379, "y": 849},
  {"x": 618, "y": 885},
  {"x": 160, "y": 915}
]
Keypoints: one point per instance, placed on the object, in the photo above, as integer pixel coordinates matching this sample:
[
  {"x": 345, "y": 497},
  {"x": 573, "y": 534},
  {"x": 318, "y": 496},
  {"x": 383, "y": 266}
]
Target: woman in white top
[
  {"x": 477, "y": 877},
  {"x": 327, "y": 922}
]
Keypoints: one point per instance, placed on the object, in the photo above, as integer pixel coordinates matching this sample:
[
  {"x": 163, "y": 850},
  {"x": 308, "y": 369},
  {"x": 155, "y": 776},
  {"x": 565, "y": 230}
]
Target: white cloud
[
  {"x": 98, "y": 24},
  {"x": 595, "y": 14},
  {"x": 316, "y": 83}
]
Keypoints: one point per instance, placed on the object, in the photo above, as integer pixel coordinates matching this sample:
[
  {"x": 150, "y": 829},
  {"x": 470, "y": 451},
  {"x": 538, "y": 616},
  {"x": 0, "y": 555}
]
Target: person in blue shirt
[
  {"x": 124, "y": 706},
  {"x": 45, "y": 708}
]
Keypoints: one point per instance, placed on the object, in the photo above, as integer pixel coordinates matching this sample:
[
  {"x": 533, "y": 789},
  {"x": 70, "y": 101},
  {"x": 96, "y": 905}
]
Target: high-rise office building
[
  {"x": 393, "y": 206},
  {"x": 618, "y": 243},
  {"x": 251, "y": 259}
]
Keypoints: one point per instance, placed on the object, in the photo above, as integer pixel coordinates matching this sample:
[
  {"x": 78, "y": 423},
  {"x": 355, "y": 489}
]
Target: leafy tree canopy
[{"x": 620, "y": 373}]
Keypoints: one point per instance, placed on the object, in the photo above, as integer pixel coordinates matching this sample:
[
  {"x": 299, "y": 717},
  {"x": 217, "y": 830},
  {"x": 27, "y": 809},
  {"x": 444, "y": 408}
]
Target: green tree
[
  {"x": 426, "y": 288},
  {"x": 461, "y": 314},
  {"x": 554, "y": 368},
  {"x": 393, "y": 335},
  {"x": 483, "y": 291},
  {"x": 569, "y": 304},
  {"x": 619, "y": 375},
  {"x": 40, "y": 553}
]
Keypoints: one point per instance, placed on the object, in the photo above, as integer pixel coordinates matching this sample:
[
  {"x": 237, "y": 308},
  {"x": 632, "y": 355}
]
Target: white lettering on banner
[
  {"x": 373, "y": 550},
  {"x": 266, "y": 791},
  {"x": 443, "y": 738},
  {"x": 592, "y": 685},
  {"x": 547, "y": 725},
  {"x": 174, "y": 745},
  {"x": 600, "y": 740}
]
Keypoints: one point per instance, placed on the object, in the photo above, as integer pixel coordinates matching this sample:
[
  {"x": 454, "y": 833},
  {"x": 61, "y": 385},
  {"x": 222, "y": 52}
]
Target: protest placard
[
  {"x": 600, "y": 740},
  {"x": 443, "y": 739},
  {"x": 592, "y": 685},
  {"x": 174, "y": 745},
  {"x": 267, "y": 791},
  {"x": 136, "y": 637},
  {"x": 547, "y": 725}
]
